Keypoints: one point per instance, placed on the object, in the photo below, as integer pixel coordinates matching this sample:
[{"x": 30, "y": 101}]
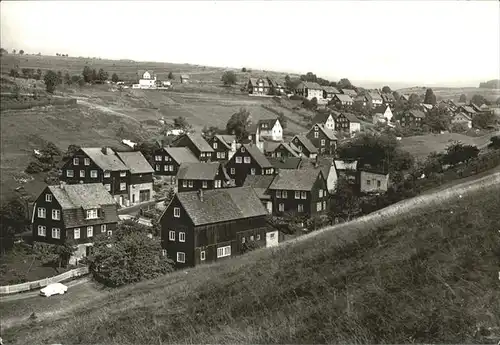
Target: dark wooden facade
[
  {"x": 321, "y": 141},
  {"x": 221, "y": 151},
  {"x": 218, "y": 181},
  {"x": 243, "y": 163},
  {"x": 185, "y": 141}
]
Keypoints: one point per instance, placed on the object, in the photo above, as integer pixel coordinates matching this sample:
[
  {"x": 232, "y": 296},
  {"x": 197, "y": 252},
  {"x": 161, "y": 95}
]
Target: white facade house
[
  {"x": 270, "y": 129},
  {"x": 310, "y": 90},
  {"x": 147, "y": 81},
  {"x": 326, "y": 119},
  {"x": 386, "y": 112},
  {"x": 462, "y": 118}
]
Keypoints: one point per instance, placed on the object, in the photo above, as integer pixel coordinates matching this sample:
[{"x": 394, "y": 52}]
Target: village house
[
  {"x": 283, "y": 150},
  {"x": 184, "y": 78},
  {"x": 412, "y": 118},
  {"x": 260, "y": 185},
  {"x": 329, "y": 92},
  {"x": 310, "y": 90},
  {"x": 344, "y": 100},
  {"x": 147, "y": 80},
  {"x": 258, "y": 86},
  {"x": 224, "y": 146},
  {"x": 361, "y": 100},
  {"x": 349, "y": 92},
  {"x": 248, "y": 160},
  {"x": 276, "y": 87},
  {"x": 197, "y": 144},
  {"x": 374, "y": 98},
  {"x": 388, "y": 99},
  {"x": 270, "y": 129},
  {"x": 95, "y": 164},
  {"x": 466, "y": 109},
  {"x": 77, "y": 212},
  {"x": 426, "y": 108},
  {"x": 385, "y": 111},
  {"x": 327, "y": 167},
  {"x": 325, "y": 118},
  {"x": 462, "y": 118},
  {"x": 140, "y": 178},
  {"x": 404, "y": 98},
  {"x": 286, "y": 162},
  {"x": 196, "y": 176},
  {"x": 305, "y": 146},
  {"x": 167, "y": 160},
  {"x": 346, "y": 169},
  {"x": 323, "y": 139},
  {"x": 373, "y": 180},
  {"x": 301, "y": 192},
  {"x": 210, "y": 225},
  {"x": 347, "y": 122}
]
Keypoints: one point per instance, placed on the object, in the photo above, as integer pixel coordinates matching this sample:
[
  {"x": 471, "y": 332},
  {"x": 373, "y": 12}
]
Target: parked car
[{"x": 53, "y": 289}]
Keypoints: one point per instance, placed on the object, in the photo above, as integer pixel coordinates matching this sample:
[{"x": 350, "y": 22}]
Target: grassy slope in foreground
[{"x": 428, "y": 276}]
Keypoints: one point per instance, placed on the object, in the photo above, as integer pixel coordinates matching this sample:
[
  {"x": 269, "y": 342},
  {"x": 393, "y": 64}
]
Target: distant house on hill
[
  {"x": 462, "y": 118},
  {"x": 329, "y": 92},
  {"x": 270, "y": 129},
  {"x": 342, "y": 99},
  {"x": 258, "y": 86},
  {"x": 310, "y": 90},
  {"x": 385, "y": 111},
  {"x": 184, "y": 78},
  {"x": 325, "y": 119},
  {"x": 147, "y": 80},
  {"x": 412, "y": 118},
  {"x": 347, "y": 122},
  {"x": 349, "y": 92},
  {"x": 277, "y": 87},
  {"x": 323, "y": 139},
  {"x": 305, "y": 146}
]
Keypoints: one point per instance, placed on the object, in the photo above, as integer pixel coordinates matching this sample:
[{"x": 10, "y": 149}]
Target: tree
[
  {"x": 13, "y": 221},
  {"x": 54, "y": 254},
  {"x": 21, "y": 52},
  {"x": 282, "y": 119},
  {"x": 28, "y": 72},
  {"x": 67, "y": 79},
  {"x": 479, "y": 100},
  {"x": 87, "y": 74},
  {"x": 459, "y": 153},
  {"x": 495, "y": 142},
  {"x": 430, "y": 97},
  {"x": 94, "y": 76},
  {"x": 147, "y": 149},
  {"x": 71, "y": 151},
  {"x": 344, "y": 83},
  {"x": 244, "y": 69},
  {"x": 238, "y": 124},
  {"x": 344, "y": 202},
  {"x": 59, "y": 78},
  {"x": 181, "y": 123},
  {"x": 38, "y": 74},
  {"x": 386, "y": 89},
  {"x": 102, "y": 75},
  {"x": 483, "y": 120},
  {"x": 463, "y": 98},
  {"x": 114, "y": 78},
  {"x": 413, "y": 100},
  {"x": 14, "y": 51},
  {"x": 3, "y": 52},
  {"x": 310, "y": 76},
  {"x": 396, "y": 95},
  {"x": 50, "y": 80},
  {"x": 459, "y": 127},
  {"x": 170, "y": 76},
  {"x": 497, "y": 102},
  {"x": 229, "y": 78},
  {"x": 209, "y": 132},
  {"x": 128, "y": 256},
  {"x": 437, "y": 119},
  {"x": 49, "y": 152},
  {"x": 14, "y": 73}
]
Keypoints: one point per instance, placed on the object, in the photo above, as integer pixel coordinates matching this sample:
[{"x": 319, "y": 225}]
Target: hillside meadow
[
  {"x": 429, "y": 275},
  {"x": 455, "y": 93}
]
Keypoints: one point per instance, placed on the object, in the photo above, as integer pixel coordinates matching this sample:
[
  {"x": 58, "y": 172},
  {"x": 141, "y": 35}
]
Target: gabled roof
[
  {"x": 463, "y": 115},
  {"x": 181, "y": 155},
  {"x": 106, "y": 161},
  {"x": 290, "y": 148},
  {"x": 254, "y": 81},
  {"x": 198, "y": 141},
  {"x": 330, "y": 89},
  {"x": 351, "y": 117},
  {"x": 468, "y": 109},
  {"x": 286, "y": 163},
  {"x": 388, "y": 97},
  {"x": 328, "y": 132},
  {"x": 136, "y": 162},
  {"x": 269, "y": 122},
  {"x": 343, "y": 98},
  {"x": 275, "y": 82},
  {"x": 427, "y": 106},
  {"x": 405, "y": 97},
  {"x": 221, "y": 205},
  {"x": 270, "y": 146},
  {"x": 324, "y": 164},
  {"x": 321, "y": 117},
  {"x": 360, "y": 98},
  {"x": 295, "y": 179},
  {"x": 345, "y": 165},
  {"x": 349, "y": 92},
  {"x": 306, "y": 143},
  {"x": 226, "y": 139},
  {"x": 257, "y": 155},
  {"x": 381, "y": 108},
  {"x": 374, "y": 96},
  {"x": 416, "y": 113},
  {"x": 260, "y": 184},
  {"x": 82, "y": 195},
  {"x": 198, "y": 171},
  {"x": 311, "y": 85}
]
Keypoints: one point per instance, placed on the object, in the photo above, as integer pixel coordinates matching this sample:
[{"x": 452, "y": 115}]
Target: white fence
[{"x": 8, "y": 289}]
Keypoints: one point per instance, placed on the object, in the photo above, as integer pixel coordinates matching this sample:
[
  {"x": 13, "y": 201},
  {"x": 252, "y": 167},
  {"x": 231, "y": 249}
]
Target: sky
[{"x": 445, "y": 43}]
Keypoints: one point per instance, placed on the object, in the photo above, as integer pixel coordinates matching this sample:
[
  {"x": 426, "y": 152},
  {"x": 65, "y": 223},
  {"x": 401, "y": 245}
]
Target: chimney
[
  {"x": 316, "y": 162},
  {"x": 104, "y": 150},
  {"x": 200, "y": 194}
]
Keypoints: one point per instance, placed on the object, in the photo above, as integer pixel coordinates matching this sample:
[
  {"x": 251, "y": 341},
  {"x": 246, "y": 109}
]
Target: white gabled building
[{"x": 147, "y": 80}]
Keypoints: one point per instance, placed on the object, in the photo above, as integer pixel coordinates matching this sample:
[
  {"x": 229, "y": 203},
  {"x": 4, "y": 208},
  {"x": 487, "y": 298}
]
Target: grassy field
[
  {"x": 421, "y": 146},
  {"x": 429, "y": 275},
  {"x": 455, "y": 93}
]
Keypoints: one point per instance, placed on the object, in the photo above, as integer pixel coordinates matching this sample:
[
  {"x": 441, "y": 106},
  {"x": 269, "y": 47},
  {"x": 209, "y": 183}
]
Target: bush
[
  {"x": 35, "y": 167},
  {"x": 248, "y": 246},
  {"x": 229, "y": 78}
]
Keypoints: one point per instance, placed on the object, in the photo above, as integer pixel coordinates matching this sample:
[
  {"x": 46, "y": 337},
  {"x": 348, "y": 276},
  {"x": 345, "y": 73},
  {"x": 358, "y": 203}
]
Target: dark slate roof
[
  {"x": 380, "y": 109},
  {"x": 417, "y": 113},
  {"x": 270, "y": 146},
  {"x": 181, "y": 154},
  {"x": 222, "y": 205},
  {"x": 302, "y": 179},
  {"x": 257, "y": 155},
  {"x": 106, "y": 161},
  {"x": 351, "y": 117},
  {"x": 306, "y": 143},
  {"x": 291, "y": 148},
  {"x": 374, "y": 95},
  {"x": 254, "y": 81},
  {"x": 321, "y": 117},
  {"x": 200, "y": 142},
  {"x": 468, "y": 109},
  {"x": 343, "y": 98},
  {"x": 349, "y": 92},
  {"x": 275, "y": 82},
  {"x": 198, "y": 171},
  {"x": 330, "y": 89},
  {"x": 328, "y": 132},
  {"x": 311, "y": 85},
  {"x": 226, "y": 139},
  {"x": 260, "y": 184},
  {"x": 285, "y": 163},
  {"x": 269, "y": 122},
  {"x": 136, "y": 162},
  {"x": 82, "y": 195}
]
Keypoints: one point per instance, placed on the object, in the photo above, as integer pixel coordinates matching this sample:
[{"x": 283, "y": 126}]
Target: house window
[
  {"x": 171, "y": 235},
  {"x": 318, "y": 206},
  {"x": 222, "y": 155},
  {"x": 190, "y": 183},
  {"x": 177, "y": 212},
  {"x": 243, "y": 149},
  {"x": 48, "y": 197},
  {"x": 278, "y": 154},
  {"x": 316, "y": 135},
  {"x": 123, "y": 173},
  {"x": 76, "y": 233},
  {"x": 42, "y": 230},
  {"x": 181, "y": 257},
  {"x": 69, "y": 173},
  {"x": 93, "y": 173},
  {"x": 184, "y": 183},
  {"x": 86, "y": 161},
  {"x": 218, "y": 183},
  {"x": 281, "y": 207},
  {"x": 202, "y": 255},
  {"x": 107, "y": 174},
  {"x": 171, "y": 167},
  {"x": 123, "y": 186},
  {"x": 258, "y": 237},
  {"x": 90, "y": 231},
  {"x": 284, "y": 194},
  {"x": 215, "y": 145},
  {"x": 202, "y": 154},
  {"x": 368, "y": 182},
  {"x": 182, "y": 237},
  {"x": 158, "y": 158},
  {"x": 243, "y": 239},
  {"x": 108, "y": 187},
  {"x": 252, "y": 171},
  {"x": 300, "y": 208},
  {"x": 322, "y": 142},
  {"x": 76, "y": 161},
  {"x": 321, "y": 193},
  {"x": 157, "y": 167},
  {"x": 233, "y": 171},
  {"x": 303, "y": 195},
  {"x": 223, "y": 251},
  {"x": 56, "y": 214},
  {"x": 204, "y": 184},
  {"x": 56, "y": 233},
  {"x": 218, "y": 154},
  {"x": 238, "y": 159},
  {"x": 42, "y": 213},
  {"x": 165, "y": 168},
  {"x": 92, "y": 214},
  {"x": 247, "y": 160},
  {"x": 278, "y": 194},
  {"x": 378, "y": 183},
  {"x": 251, "y": 238},
  {"x": 163, "y": 252},
  {"x": 324, "y": 205},
  {"x": 103, "y": 227},
  {"x": 82, "y": 173}
]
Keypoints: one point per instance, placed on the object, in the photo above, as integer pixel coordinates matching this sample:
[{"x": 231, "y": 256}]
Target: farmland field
[{"x": 454, "y": 93}]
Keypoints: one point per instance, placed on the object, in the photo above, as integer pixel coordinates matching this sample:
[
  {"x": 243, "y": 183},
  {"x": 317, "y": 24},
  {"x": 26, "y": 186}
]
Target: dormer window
[
  {"x": 92, "y": 214},
  {"x": 242, "y": 149},
  {"x": 76, "y": 161}
]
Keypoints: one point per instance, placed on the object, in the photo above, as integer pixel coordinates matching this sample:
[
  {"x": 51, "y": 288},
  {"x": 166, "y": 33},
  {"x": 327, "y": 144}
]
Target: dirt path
[{"x": 105, "y": 109}]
